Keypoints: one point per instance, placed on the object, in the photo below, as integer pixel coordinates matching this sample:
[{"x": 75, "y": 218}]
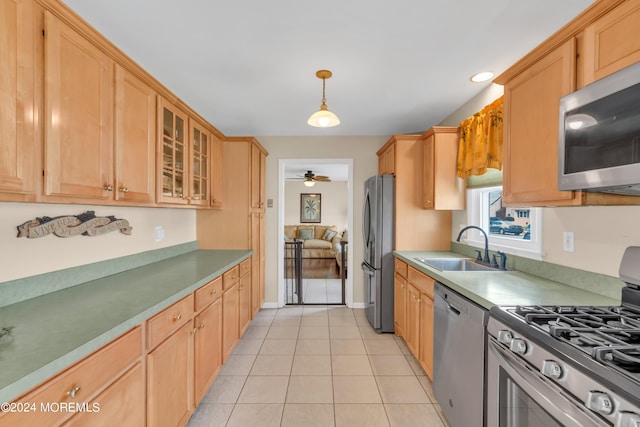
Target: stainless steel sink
[{"x": 455, "y": 264}]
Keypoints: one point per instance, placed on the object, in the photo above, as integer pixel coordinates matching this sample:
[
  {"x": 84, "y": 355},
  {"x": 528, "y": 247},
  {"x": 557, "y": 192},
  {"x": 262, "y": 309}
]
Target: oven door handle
[{"x": 560, "y": 405}]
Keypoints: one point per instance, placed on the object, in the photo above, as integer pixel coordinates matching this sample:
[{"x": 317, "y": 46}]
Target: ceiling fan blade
[{"x": 322, "y": 178}]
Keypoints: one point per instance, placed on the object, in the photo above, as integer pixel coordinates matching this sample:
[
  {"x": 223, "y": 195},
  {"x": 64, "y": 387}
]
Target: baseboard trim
[
  {"x": 357, "y": 305},
  {"x": 270, "y": 305}
]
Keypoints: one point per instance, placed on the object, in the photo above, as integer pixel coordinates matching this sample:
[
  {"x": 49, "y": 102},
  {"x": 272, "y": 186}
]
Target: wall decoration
[
  {"x": 86, "y": 224},
  {"x": 310, "y": 207}
]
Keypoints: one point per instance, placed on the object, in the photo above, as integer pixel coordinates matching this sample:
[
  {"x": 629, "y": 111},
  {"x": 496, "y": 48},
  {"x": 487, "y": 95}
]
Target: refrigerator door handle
[
  {"x": 366, "y": 221},
  {"x": 367, "y": 269}
]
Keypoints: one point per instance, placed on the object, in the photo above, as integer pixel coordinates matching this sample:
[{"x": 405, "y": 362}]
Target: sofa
[{"x": 315, "y": 243}]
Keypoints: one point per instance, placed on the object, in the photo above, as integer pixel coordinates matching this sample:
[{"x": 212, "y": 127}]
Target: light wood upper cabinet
[
  {"x": 387, "y": 160},
  {"x": 78, "y": 115},
  {"x": 135, "y": 138},
  {"x": 419, "y": 229},
  {"x": 611, "y": 43},
  {"x": 442, "y": 188},
  {"x": 183, "y": 158},
  {"x": 531, "y": 109},
  {"x": 199, "y": 167},
  {"x": 533, "y": 87},
  {"x": 19, "y": 162},
  {"x": 172, "y": 153}
]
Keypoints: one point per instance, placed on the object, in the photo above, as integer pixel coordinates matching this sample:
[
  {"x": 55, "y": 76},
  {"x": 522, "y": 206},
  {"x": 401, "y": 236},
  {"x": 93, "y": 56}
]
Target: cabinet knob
[
  {"x": 202, "y": 325},
  {"x": 213, "y": 292},
  {"x": 194, "y": 331},
  {"x": 74, "y": 391},
  {"x": 123, "y": 189},
  {"x": 177, "y": 317},
  {"x": 108, "y": 187}
]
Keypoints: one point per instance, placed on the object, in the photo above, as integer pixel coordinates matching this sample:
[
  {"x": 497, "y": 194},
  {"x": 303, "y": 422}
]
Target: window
[{"x": 515, "y": 230}]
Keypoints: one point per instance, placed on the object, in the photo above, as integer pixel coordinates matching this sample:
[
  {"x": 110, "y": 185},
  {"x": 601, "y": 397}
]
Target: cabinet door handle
[
  {"x": 202, "y": 325},
  {"x": 194, "y": 331},
  {"x": 177, "y": 317},
  {"x": 123, "y": 189},
  {"x": 108, "y": 187},
  {"x": 74, "y": 391}
]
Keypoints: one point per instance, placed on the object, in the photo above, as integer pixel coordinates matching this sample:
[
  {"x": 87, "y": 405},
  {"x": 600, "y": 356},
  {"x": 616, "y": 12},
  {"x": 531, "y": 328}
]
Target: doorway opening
[{"x": 315, "y": 217}]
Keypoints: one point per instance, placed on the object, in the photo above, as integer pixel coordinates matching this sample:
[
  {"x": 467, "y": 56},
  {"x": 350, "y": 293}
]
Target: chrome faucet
[{"x": 486, "y": 241}]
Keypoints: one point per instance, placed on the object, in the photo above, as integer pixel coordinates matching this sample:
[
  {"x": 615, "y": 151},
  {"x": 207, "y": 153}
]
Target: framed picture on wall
[{"x": 310, "y": 207}]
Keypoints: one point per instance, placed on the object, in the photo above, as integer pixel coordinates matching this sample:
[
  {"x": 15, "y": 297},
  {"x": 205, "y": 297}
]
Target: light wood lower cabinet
[
  {"x": 413, "y": 312},
  {"x": 399, "y": 305},
  {"x": 426, "y": 334},
  {"x": 208, "y": 348},
  {"x": 121, "y": 404},
  {"x": 169, "y": 379},
  {"x": 412, "y": 333},
  {"x": 230, "y": 308},
  {"x": 400, "y": 298},
  {"x": 87, "y": 381},
  {"x": 245, "y": 312},
  {"x": 184, "y": 343}
]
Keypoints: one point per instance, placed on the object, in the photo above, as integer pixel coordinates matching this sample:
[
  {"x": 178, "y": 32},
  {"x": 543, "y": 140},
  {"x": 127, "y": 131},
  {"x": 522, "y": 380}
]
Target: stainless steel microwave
[{"x": 599, "y": 138}]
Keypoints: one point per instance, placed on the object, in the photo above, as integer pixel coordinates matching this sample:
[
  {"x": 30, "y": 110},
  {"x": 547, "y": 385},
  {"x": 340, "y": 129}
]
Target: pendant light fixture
[{"x": 323, "y": 118}]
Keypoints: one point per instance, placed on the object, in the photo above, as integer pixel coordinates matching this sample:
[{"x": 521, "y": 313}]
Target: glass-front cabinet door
[
  {"x": 200, "y": 169},
  {"x": 173, "y": 169}
]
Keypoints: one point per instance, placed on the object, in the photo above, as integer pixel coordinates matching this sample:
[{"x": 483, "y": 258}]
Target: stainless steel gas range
[{"x": 567, "y": 365}]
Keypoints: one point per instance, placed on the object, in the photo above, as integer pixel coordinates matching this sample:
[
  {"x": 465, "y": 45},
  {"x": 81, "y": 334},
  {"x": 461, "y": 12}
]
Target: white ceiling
[{"x": 248, "y": 66}]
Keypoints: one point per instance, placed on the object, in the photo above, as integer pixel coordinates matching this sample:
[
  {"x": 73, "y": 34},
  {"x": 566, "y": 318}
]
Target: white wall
[
  {"x": 22, "y": 257},
  {"x": 601, "y": 232},
  {"x": 365, "y": 164},
  {"x": 333, "y": 203}
]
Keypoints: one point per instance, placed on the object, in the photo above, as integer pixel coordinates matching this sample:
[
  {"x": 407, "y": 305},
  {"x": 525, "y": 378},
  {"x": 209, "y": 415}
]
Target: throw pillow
[
  {"x": 305, "y": 233},
  {"x": 329, "y": 235}
]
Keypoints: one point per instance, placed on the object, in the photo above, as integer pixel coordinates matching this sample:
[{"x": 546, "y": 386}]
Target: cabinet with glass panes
[{"x": 183, "y": 169}]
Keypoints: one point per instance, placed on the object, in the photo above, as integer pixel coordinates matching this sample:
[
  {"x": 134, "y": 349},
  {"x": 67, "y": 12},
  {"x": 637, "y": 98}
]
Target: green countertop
[
  {"x": 55, "y": 330},
  {"x": 489, "y": 288}
]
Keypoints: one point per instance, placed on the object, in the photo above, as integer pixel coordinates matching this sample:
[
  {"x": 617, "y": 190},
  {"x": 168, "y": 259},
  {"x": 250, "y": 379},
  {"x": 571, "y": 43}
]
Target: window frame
[{"x": 478, "y": 214}]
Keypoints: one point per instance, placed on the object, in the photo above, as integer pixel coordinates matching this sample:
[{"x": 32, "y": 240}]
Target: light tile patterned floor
[
  {"x": 319, "y": 366},
  {"x": 322, "y": 291}
]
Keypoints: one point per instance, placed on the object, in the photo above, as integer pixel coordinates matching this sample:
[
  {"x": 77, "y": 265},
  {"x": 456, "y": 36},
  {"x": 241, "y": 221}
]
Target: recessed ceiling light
[{"x": 482, "y": 77}]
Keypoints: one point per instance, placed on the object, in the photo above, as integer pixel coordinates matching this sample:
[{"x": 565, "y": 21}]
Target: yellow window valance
[{"x": 481, "y": 137}]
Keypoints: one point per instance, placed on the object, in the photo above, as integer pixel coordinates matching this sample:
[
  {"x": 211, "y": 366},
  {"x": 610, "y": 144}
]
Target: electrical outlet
[
  {"x": 567, "y": 241},
  {"x": 158, "y": 234}
]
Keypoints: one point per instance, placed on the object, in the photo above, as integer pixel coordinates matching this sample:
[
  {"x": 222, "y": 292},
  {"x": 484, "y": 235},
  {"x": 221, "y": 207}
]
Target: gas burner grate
[{"x": 610, "y": 335}]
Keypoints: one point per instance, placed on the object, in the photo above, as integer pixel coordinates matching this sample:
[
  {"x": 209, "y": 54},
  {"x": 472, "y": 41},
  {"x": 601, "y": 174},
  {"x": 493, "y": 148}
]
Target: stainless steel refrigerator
[{"x": 378, "y": 232}]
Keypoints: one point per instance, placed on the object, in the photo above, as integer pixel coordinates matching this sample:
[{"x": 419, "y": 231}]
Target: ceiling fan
[{"x": 310, "y": 178}]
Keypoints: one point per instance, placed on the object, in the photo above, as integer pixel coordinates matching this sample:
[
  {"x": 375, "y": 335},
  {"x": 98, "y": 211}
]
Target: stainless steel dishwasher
[{"x": 458, "y": 357}]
